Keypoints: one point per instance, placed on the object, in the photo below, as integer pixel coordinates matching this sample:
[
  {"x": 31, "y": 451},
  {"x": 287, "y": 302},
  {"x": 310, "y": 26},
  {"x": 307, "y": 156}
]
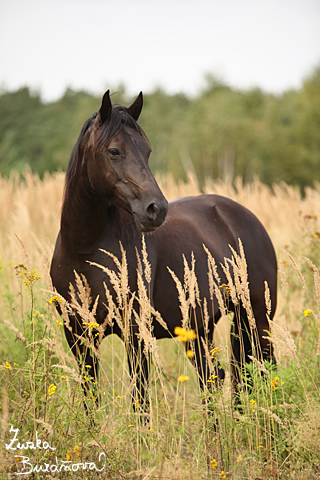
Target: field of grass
[{"x": 274, "y": 435}]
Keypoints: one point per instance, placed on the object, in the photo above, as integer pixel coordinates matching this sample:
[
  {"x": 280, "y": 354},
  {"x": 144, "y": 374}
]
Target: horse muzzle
[{"x": 152, "y": 216}]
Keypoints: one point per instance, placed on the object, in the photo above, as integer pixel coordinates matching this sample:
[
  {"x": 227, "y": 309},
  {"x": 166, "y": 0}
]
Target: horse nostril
[{"x": 152, "y": 211}]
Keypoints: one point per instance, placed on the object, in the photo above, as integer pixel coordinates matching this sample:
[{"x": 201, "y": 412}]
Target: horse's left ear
[
  {"x": 135, "y": 109},
  {"x": 106, "y": 107}
]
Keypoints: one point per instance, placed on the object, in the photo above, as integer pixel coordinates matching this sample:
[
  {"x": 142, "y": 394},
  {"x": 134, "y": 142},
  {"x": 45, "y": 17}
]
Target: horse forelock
[{"x": 118, "y": 119}]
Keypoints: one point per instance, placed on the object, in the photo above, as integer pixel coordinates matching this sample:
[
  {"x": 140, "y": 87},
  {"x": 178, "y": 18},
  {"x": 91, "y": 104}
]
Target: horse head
[{"x": 116, "y": 157}]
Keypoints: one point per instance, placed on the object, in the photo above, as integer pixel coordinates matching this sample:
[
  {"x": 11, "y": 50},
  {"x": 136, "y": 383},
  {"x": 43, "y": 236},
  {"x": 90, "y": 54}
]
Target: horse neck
[
  {"x": 88, "y": 219},
  {"x": 84, "y": 215}
]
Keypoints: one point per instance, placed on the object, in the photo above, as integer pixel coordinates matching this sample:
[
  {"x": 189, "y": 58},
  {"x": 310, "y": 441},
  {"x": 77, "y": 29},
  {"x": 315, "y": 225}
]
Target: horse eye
[{"x": 114, "y": 152}]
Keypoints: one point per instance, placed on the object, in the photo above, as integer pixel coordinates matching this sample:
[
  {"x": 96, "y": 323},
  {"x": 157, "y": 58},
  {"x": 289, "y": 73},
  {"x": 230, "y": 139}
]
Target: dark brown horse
[{"x": 111, "y": 196}]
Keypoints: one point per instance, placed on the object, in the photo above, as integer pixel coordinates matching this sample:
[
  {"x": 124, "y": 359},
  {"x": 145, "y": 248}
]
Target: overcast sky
[{"x": 96, "y": 44}]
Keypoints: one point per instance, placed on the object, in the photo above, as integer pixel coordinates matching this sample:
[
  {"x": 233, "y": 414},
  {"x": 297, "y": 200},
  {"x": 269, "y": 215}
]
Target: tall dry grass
[{"x": 272, "y": 437}]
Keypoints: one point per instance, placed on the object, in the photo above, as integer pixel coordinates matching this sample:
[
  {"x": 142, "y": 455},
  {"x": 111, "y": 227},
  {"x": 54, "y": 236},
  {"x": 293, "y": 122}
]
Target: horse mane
[{"x": 118, "y": 119}]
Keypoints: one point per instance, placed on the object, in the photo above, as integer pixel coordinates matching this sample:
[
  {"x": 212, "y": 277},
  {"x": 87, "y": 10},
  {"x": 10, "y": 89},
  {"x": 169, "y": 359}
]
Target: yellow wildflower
[
  {"x": 129, "y": 426},
  {"x": 225, "y": 289},
  {"x": 31, "y": 277},
  {"x": 184, "y": 335},
  {"x": 239, "y": 459},
  {"x": 274, "y": 383},
  {"x": 7, "y": 366},
  {"x": 253, "y": 404},
  {"x": 223, "y": 475},
  {"x": 20, "y": 269},
  {"x": 91, "y": 325},
  {"x": 215, "y": 351},
  {"x": 307, "y": 312},
  {"x": 214, "y": 464},
  {"x": 77, "y": 450},
  {"x": 54, "y": 299},
  {"x": 212, "y": 379},
  {"x": 190, "y": 353},
  {"x": 52, "y": 389},
  {"x": 183, "y": 378}
]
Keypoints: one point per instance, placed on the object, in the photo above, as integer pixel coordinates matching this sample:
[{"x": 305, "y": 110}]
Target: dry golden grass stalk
[
  {"x": 239, "y": 265},
  {"x": 139, "y": 264},
  {"x": 81, "y": 300},
  {"x": 184, "y": 303},
  {"x": 119, "y": 281},
  {"x": 267, "y": 298},
  {"x": 283, "y": 342},
  {"x": 118, "y": 314},
  {"x": 261, "y": 366},
  {"x": 191, "y": 282},
  {"x": 71, "y": 371},
  {"x": 231, "y": 285},
  {"x": 19, "y": 335},
  {"x": 208, "y": 356},
  {"x": 28, "y": 262},
  {"x": 316, "y": 278},
  {"x": 206, "y": 317},
  {"x": 65, "y": 310},
  {"x": 284, "y": 284},
  {"x": 147, "y": 266},
  {"x": 295, "y": 266},
  {"x": 46, "y": 425},
  {"x": 214, "y": 282},
  {"x": 144, "y": 322},
  {"x": 271, "y": 414},
  {"x": 54, "y": 342},
  {"x": 5, "y": 411}
]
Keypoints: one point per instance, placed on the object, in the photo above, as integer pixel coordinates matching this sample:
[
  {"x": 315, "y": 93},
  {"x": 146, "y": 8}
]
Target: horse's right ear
[
  {"x": 106, "y": 107},
  {"x": 135, "y": 109}
]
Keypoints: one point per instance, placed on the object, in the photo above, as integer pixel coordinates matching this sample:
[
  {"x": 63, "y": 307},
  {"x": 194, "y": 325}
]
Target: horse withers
[{"x": 110, "y": 200}]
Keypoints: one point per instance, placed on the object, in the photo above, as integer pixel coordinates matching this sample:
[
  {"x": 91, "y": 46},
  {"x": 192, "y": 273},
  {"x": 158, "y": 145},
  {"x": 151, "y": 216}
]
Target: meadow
[{"x": 275, "y": 434}]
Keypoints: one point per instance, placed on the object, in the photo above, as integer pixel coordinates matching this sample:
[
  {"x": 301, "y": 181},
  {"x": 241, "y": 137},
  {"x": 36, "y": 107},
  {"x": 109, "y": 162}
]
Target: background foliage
[{"x": 222, "y": 132}]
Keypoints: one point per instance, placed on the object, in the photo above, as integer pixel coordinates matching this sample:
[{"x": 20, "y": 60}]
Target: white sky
[{"x": 96, "y": 44}]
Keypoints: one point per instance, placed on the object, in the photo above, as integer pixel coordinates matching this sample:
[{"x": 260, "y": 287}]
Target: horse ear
[
  {"x": 135, "y": 109},
  {"x": 106, "y": 107}
]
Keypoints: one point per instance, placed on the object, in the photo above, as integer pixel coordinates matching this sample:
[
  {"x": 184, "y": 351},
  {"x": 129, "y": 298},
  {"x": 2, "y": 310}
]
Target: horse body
[{"x": 112, "y": 197}]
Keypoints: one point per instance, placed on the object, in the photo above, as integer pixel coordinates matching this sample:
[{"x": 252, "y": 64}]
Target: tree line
[{"x": 221, "y": 132}]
